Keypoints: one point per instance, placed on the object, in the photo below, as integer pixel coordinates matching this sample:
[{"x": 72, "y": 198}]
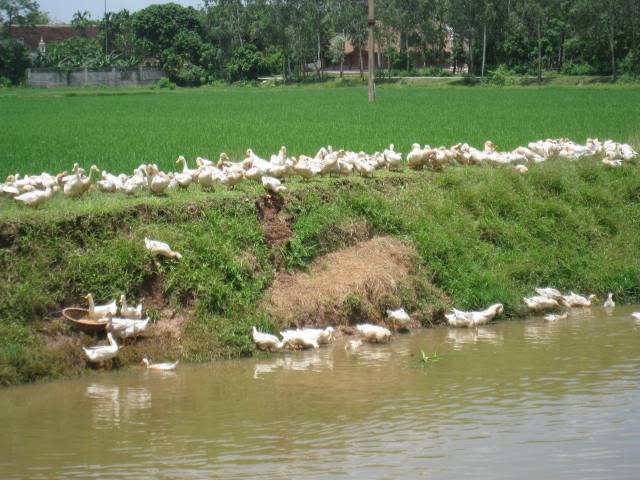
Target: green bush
[
  {"x": 191, "y": 76},
  {"x": 570, "y": 68},
  {"x": 630, "y": 64},
  {"x": 14, "y": 61},
  {"x": 246, "y": 63},
  {"x": 4, "y": 82},
  {"x": 164, "y": 82},
  {"x": 501, "y": 76}
]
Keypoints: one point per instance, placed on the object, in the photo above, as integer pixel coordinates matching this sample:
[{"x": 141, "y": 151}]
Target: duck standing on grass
[
  {"x": 160, "y": 249},
  {"x": 100, "y": 353}
]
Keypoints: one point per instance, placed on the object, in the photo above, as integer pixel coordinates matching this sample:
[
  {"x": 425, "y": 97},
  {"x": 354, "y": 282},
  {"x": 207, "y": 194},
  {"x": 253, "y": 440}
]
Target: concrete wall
[{"x": 53, "y": 78}]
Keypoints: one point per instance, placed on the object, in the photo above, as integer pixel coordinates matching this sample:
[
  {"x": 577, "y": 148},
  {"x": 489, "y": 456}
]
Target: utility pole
[
  {"x": 106, "y": 30},
  {"x": 372, "y": 59}
]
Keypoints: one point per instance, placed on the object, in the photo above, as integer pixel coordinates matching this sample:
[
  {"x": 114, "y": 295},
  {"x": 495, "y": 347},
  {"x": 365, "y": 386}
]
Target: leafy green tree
[
  {"x": 14, "y": 60},
  {"x": 158, "y": 27},
  {"x": 81, "y": 20},
  {"x": 246, "y": 63},
  {"x": 336, "y": 51}
]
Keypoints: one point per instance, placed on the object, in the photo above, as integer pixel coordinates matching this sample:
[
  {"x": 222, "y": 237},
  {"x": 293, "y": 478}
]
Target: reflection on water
[
  {"x": 530, "y": 399},
  {"x": 306, "y": 361},
  {"x": 111, "y": 402},
  {"x": 460, "y": 337}
]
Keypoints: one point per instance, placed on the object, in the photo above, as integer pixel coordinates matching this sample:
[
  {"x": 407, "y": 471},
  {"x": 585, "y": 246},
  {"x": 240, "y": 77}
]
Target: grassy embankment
[{"x": 482, "y": 234}]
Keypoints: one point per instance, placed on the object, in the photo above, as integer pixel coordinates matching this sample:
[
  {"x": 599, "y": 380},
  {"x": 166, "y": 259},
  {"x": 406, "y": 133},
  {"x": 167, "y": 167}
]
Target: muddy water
[{"x": 524, "y": 399}]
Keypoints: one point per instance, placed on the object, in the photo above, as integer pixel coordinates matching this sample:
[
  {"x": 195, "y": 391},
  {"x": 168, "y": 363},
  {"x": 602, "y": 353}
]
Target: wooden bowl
[{"x": 79, "y": 318}]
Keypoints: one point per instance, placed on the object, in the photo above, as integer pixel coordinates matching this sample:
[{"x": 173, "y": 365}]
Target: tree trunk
[
  {"x": 406, "y": 51},
  {"x": 319, "y": 59},
  {"x": 361, "y": 63},
  {"x": 539, "y": 50},
  {"x": 471, "y": 54},
  {"x": 612, "y": 45},
  {"x": 238, "y": 26},
  {"x": 484, "y": 48},
  {"x": 341, "y": 65}
]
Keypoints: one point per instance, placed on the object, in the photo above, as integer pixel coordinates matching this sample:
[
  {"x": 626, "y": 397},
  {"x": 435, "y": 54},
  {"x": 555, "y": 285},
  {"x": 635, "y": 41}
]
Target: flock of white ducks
[
  {"x": 546, "y": 300},
  {"x": 35, "y": 190},
  {"x": 129, "y": 324},
  {"x": 303, "y": 338}
]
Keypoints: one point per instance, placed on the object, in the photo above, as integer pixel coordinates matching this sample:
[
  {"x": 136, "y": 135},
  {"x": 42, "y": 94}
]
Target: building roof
[{"x": 31, "y": 36}]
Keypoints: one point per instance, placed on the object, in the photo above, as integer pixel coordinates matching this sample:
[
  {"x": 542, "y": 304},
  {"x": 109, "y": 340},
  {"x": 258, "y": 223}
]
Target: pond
[{"x": 526, "y": 399}]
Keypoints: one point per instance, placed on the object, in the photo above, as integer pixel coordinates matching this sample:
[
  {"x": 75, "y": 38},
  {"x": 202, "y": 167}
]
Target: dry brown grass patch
[{"x": 352, "y": 284}]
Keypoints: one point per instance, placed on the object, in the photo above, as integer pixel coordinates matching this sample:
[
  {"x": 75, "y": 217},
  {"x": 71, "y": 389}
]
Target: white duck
[
  {"x": 549, "y": 292},
  {"x": 79, "y": 185},
  {"x": 609, "y": 303},
  {"x": 393, "y": 159},
  {"x": 160, "y": 366},
  {"x": 299, "y": 339},
  {"x": 160, "y": 248},
  {"x": 399, "y": 318},
  {"x": 273, "y": 185},
  {"x": 157, "y": 181},
  {"x": 126, "y": 327},
  {"x": 101, "y": 353},
  {"x": 575, "y": 300},
  {"x": 100, "y": 311},
  {"x": 265, "y": 341},
  {"x": 636, "y": 315},
  {"x": 459, "y": 318},
  {"x": 35, "y": 198},
  {"x": 374, "y": 333},
  {"x": 129, "y": 312},
  {"x": 540, "y": 303},
  {"x": 322, "y": 336},
  {"x": 193, "y": 173}
]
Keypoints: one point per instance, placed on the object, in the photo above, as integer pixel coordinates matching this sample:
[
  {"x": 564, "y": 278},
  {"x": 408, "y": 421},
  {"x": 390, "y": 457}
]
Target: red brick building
[{"x": 47, "y": 34}]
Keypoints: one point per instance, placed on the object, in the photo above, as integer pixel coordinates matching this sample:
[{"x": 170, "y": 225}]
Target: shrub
[
  {"x": 630, "y": 64},
  {"x": 4, "y": 82},
  {"x": 273, "y": 60},
  {"x": 501, "y": 76},
  {"x": 246, "y": 63},
  {"x": 191, "y": 76},
  {"x": 14, "y": 60},
  {"x": 164, "y": 82},
  {"x": 570, "y": 68}
]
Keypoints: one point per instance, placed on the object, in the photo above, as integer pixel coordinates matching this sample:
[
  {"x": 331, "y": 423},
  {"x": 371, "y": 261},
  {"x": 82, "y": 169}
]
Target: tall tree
[{"x": 18, "y": 12}]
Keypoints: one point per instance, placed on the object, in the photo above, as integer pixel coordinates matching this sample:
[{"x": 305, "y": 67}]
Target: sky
[{"x": 62, "y": 10}]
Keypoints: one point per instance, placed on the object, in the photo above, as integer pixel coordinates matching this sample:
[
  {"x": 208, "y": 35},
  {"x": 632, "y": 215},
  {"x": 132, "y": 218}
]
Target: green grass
[{"x": 118, "y": 130}]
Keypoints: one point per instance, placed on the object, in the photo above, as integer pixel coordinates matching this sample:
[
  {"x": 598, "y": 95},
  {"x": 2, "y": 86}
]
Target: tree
[
  {"x": 14, "y": 60},
  {"x": 81, "y": 20},
  {"x": 336, "y": 51},
  {"x": 158, "y": 26},
  {"x": 18, "y": 12}
]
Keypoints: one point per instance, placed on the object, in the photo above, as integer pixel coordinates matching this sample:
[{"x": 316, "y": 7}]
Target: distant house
[
  {"x": 36, "y": 38},
  {"x": 352, "y": 53}
]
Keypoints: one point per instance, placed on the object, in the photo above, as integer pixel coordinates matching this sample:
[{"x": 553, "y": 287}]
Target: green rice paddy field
[{"x": 119, "y": 129}]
